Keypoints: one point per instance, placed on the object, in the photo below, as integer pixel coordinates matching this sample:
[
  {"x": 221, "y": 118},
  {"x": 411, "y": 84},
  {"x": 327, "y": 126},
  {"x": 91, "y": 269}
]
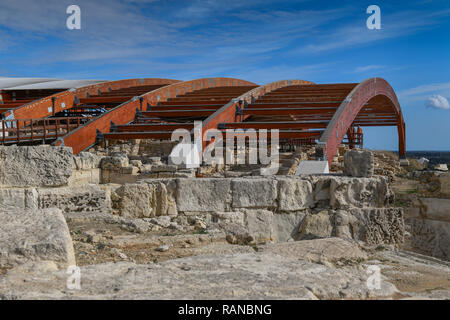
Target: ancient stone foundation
[
  {"x": 246, "y": 209},
  {"x": 117, "y": 214}
]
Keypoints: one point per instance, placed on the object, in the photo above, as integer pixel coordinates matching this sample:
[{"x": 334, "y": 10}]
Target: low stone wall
[
  {"x": 250, "y": 209},
  {"x": 272, "y": 208},
  {"x": 428, "y": 216},
  {"x": 85, "y": 169},
  {"x": 433, "y": 183},
  {"x": 34, "y": 235},
  {"x": 35, "y": 166}
]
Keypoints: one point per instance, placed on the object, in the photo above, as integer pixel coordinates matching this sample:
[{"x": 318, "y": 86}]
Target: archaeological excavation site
[{"x": 214, "y": 188}]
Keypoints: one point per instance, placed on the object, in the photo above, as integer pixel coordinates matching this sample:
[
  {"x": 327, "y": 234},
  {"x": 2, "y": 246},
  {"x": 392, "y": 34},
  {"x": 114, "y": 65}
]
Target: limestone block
[
  {"x": 33, "y": 235},
  {"x": 358, "y": 163},
  {"x": 86, "y": 198},
  {"x": 135, "y": 200},
  {"x": 430, "y": 237},
  {"x": 35, "y": 166},
  {"x": 433, "y": 208},
  {"x": 360, "y": 192},
  {"x": 203, "y": 195},
  {"x": 286, "y": 226},
  {"x": 164, "y": 168},
  {"x": 144, "y": 200},
  {"x": 259, "y": 224},
  {"x": 444, "y": 180},
  {"x": 130, "y": 170},
  {"x": 378, "y": 225},
  {"x": 316, "y": 226},
  {"x": 254, "y": 193},
  {"x": 136, "y": 163},
  {"x": 116, "y": 161},
  {"x": 86, "y": 160},
  {"x": 294, "y": 194},
  {"x": 18, "y": 199},
  {"x": 81, "y": 177}
]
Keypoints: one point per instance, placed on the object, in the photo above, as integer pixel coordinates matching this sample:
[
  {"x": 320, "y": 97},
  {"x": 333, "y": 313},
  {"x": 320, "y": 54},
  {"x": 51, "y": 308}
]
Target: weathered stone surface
[
  {"x": 37, "y": 166},
  {"x": 445, "y": 184},
  {"x": 254, "y": 193},
  {"x": 326, "y": 251},
  {"x": 32, "y": 235},
  {"x": 318, "y": 225},
  {"x": 115, "y": 161},
  {"x": 86, "y": 161},
  {"x": 164, "y": 168},
  {"x": 156, "y": 148},
  {"x": 259, "y": 225},
  {"x": 164, "y": 196},
  {"x": 143, "y": 200},
  {"x": 203, "y": 195},
  {"x": 432, "y": 208},
  {"x": 294, "y": 194},
  {"x": 429, "y": 237},
  {"x": 18, "y": 199},
  {"x": 287, "y": 225},
  {"x": 87, "y": 198},
  {"x": 377, "y": 225},
  {"x": 359, "y": 192},
  {"x": 87, "y": 176},
  {"x": 358, "y": 163},
  {"x": 433, "y": 183},
  {"x": 201, "y": 277}
]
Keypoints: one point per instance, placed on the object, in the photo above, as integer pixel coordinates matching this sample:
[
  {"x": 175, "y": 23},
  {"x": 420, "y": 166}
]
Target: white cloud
[
  {"x": 394, "y": 25},
  {"x": 368, "y": 68},
  {"x": 427, "y": 88},
  {"x": 438, "y": 102}
]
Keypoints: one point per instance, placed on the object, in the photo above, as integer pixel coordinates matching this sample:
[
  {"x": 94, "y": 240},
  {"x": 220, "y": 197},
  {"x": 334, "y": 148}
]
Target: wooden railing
[{"x": 31, "y": 130}]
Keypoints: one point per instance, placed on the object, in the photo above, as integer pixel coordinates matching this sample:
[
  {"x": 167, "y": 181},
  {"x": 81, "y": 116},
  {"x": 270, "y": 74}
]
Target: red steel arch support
[
  {"x": 228, "y": 112},
  {"x": 352, "y": 105},
  {"x": 84, "y": 137},
  {"x": 65, "y": 100}
]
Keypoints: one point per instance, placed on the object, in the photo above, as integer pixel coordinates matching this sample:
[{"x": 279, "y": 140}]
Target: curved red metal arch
[
  {"x": 84, "y": 137},
  {"x": 228, "y": 112},
  {"x": 65, "y": 100},
  {"x": 352, "y": 105}
]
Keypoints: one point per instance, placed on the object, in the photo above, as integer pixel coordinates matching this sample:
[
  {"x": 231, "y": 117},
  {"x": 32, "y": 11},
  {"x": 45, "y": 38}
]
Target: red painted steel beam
[
  {"x": 83, "y": 137},
  {"x": 290, "y": 104},
  {"x": 194, "y": 103},
  {"x": 283, "y": 134},
  {"x": 106, "y": 99},
  {"x": 350, "y": 108},
  {"x": 228, "y": 112},
  {"x": 287, "y": 111},
  {"x": 179, "y": 113},
  {"x": 179, "y": 107},
  {"x": 142, "y": 127},
  {"x": 65, "y": 100},
  {"x": 275, "y": 125}
]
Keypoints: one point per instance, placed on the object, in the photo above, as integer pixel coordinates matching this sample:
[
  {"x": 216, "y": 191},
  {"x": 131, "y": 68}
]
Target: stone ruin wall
[
  {"x": 42, "y": 186},
  {"x": 428, "y": 214}
]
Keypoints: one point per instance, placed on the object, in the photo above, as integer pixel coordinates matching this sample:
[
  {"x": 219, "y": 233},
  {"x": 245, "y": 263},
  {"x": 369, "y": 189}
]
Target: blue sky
[{"x": 256, "y": 40}]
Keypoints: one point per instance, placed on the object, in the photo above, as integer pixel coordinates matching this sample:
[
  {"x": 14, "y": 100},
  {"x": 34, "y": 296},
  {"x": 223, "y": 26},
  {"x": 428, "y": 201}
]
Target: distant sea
[{"x": 435, "y": 157}]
